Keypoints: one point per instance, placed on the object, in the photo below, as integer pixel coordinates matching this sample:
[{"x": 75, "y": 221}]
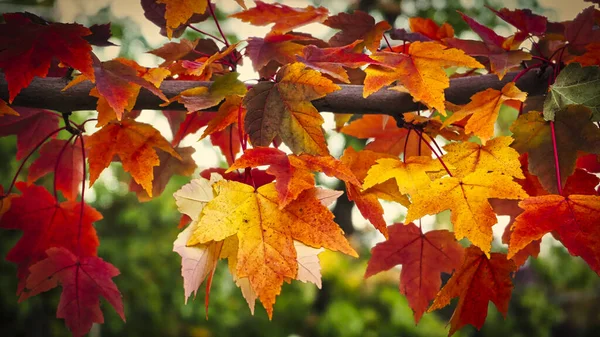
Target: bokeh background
[{"x": 555, "y": 295}]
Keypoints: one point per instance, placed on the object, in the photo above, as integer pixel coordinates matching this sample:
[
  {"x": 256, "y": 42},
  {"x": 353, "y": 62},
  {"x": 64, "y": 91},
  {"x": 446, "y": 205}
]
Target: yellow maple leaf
[
  {"x": 411, "y": 175},
  {"x": 179, "y": 11},
  {"x": 496, "y": 155},
  {"x": 266, "y": 253},
  {"x": 484, "y": 108},
  {"x": 467, "y": 199},
  {"x": 420, "y": 71}
]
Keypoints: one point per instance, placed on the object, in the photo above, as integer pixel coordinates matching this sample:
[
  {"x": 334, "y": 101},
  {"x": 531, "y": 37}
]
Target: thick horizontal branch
[{"x": 46, "y": 93}]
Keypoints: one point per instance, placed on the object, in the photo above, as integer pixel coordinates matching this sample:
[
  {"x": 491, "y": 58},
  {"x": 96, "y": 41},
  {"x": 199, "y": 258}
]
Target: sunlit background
[{"x": 554, "y": 296}]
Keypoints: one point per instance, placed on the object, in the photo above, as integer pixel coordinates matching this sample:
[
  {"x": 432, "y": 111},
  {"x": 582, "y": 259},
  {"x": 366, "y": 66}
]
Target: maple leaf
[
  {"x": 133, "y": 143},
  {"x": 387, "y": 136},
  {"x": 494, "y": 156},
  {"x": 591, "y": 57},
  {"x": 293, "y": 173},
  {"x": 533, "y": 135},
  {"x": 5, "y": 109},
  {"x": 168, "y": 167},
  {"x": 410, "y": 175},
  {"x": 283, "y": 108},
  {"x": 83, "y": 279},
  {"x": 285, "y": 18},
  {"x": 581, "y": 31},
  {"x": 331, "y": 61},
  {"x": 266, "y": 253},
  {"x": 174, "y": 51},
  {"x": 357, "y": 26},
  {"x": 479, "y": 280},
  {"x": 524, "y": 20},
  {"x": 498, "y": 49},
  {"x": 185, "y": 124},
  {"x": 27, "y": 49},
  {"x": 420, "y": 71},
  {"x": 46, "y": 223},
  {"x": 281, "y": 49},
  {"x": 178, "y": 12},
  {"x": 423, "y": 256},
  {"x": 367, "y": 199},
  {"x": 201, "y": 67},
  {"x": 230, "y": 112},
  {"x": 99, "y": 35},
  {"x": 65, "y": 160},
  {"x": 155, "y": 13},
  {"x": 483, "y": 110},
  {"x": 31, "y": 126},
  {"x": 466, "y": 197},
  {"x": 574, "y": 85},
  {"x": 574, "y": 218},
  {"x": 200, "y": 98},
  {"x": 430, "y": 29},
  {"x": 5, "y": 201},
  {"x": 118, "y": 83},
  {"x": 197, "y": 263}
]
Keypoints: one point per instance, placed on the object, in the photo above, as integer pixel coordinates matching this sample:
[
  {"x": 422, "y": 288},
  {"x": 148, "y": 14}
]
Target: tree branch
[{"x": 46, "y": 93}]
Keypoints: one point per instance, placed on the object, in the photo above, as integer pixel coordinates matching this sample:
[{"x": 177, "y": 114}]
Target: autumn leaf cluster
[{"x": 264, "y": 212}]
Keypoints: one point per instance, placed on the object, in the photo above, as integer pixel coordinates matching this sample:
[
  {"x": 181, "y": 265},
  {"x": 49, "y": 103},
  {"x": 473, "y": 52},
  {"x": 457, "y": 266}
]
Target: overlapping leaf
[
  {"x": 420, "y": 71},
  {"x": 467, "y": 199},
  {"x": 27, "y": 49},
  {"x": 293, "y": 173},
  {"x": 283, "y": 108},
  {"x": 387, "y": 136},
  {"x": 31, "y": 126},
  {"x": 65, "y": 160},
  {"x": 45, "y": 224},
  {"x": 574, "y": 132},
  {"x": 479, "y": 280},
  {"x": 84, "y": 280},
  {"x": 484, "y": 108},
  {"x": 574, "y": 85},
  {"x": 357, "y": 26},
  {"x": 266, "y": 253},
  {"x": 285, "y": 18},
  {"x": 367, "y": 200},
  {"x": 133, "y": 142},
  {"x": 423, "y": 256}
]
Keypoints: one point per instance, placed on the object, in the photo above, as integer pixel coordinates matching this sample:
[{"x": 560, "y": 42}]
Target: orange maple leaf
[
  {"x": 285, "y": 18},
  {"x": 484, "y": 108},
  {"x": 574, "y": 218},
  {"x": 420, "y": 71},
  {"x": 133, "y": 143},
  {"x": 367, "y": 200},
  {"x": 387, "y": 137},
  {"x": 266, "y": 253},
  {"x": 467, "y": 198},
  {"x": 178, "y": 12},
  {"x": 430, "y": 29},
  {"x": 293, "y": 173},
  {"x": 283, "y": 108},
  {"x": 479, "y": 280},
  {"x": 423, "y": 256}
]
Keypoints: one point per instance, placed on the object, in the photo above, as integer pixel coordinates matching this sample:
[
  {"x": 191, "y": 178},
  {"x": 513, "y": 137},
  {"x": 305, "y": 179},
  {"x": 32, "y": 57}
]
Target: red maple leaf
[
  {"x": 31, "y": 127},
  {"x": 27, "y": 49},
  {"x": 423, "y": 256},
  {"x": 46, "y": 223},
  {"x": 65, "y": 160},
  {"x": 83, "y": 279}
]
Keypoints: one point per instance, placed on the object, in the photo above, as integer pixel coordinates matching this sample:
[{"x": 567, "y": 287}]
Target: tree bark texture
[{"x": 47, "y": 93}]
